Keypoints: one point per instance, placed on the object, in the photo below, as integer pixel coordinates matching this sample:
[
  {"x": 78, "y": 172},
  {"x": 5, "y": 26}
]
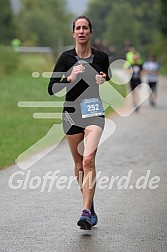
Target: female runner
[{"x": 83, "y": 69}]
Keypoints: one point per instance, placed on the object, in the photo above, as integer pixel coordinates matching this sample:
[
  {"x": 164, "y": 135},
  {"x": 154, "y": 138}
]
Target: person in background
[
  {"x": 129, "y": 57},
  {"x": 126, "y": 46},
  {"x": 151, "y": 69},
  {"x": 16, "y": 44},
  {"x": 105, "y": 47},
  {"x": 136, "y": 81},
  {"x": 97, "y": 44}
]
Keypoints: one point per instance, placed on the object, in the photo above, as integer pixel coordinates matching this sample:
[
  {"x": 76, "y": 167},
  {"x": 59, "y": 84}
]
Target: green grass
[{"x": 19, "y": 130}]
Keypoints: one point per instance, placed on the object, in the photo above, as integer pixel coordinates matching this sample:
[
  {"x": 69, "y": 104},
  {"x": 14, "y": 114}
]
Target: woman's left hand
[{"x": 100, "y": 78}]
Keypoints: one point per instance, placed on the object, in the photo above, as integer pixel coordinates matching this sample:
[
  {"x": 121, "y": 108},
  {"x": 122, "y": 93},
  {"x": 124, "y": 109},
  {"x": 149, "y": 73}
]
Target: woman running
[{"x": 83, "y": 69}]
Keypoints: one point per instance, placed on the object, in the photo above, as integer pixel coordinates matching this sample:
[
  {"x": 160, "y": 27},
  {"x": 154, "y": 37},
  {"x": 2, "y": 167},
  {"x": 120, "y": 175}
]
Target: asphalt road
[{"x": 132, "y": 209}]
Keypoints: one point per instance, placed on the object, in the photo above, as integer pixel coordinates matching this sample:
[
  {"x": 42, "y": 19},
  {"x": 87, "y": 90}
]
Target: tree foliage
[
  {"x": 39, "y": 22},
  {"x": 143, "y": 23},
  {"x": 121, "y": 25},
  {"x": 48, "y": 23},
  {"x": 119, "y": 20},
  {"x": 6, "y": 21},
  {"x": 44, "y": 23},
  {"x": 163, "y": 17},
  {"x": 98, "y": 11}
]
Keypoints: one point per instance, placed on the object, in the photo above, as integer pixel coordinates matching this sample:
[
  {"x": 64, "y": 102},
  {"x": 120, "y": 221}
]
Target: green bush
[{"x": 9, "y": 61}]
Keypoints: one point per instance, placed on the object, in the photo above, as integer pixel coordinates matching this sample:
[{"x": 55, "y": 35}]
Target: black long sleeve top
[{"x": 85, "y": 85}]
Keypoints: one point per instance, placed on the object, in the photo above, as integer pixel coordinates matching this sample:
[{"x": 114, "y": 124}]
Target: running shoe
[
  {"x": 94, "y": 218},
  {"x": 85, "y": 220}
]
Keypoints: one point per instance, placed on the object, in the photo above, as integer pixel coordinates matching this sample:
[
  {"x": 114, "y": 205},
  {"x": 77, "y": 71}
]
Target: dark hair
[
  {"x": 152, "y": 57},
  {"x": 83, "y": 17}
]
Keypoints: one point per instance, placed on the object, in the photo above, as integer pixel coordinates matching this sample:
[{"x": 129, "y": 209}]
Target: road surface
[{"x": 130, "y": 198}]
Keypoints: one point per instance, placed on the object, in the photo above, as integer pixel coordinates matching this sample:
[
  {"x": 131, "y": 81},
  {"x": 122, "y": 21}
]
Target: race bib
[{"x": 91, "y": 107}]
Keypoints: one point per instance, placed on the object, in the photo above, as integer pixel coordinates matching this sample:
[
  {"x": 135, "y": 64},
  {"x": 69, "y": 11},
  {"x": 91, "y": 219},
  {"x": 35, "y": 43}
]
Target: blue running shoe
[
  {"x": 85, "y": 220},
  {"x": 94, "y": 218}
]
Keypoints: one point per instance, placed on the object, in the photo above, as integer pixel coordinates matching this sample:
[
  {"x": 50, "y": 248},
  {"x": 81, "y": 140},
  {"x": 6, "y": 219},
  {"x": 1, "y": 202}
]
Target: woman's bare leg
[
  {"x": 92, "y": 137},
  {"x": 136, "y": 93},
  {"x": 73, "y": 142},
  {"x": 84, "y": 160}
]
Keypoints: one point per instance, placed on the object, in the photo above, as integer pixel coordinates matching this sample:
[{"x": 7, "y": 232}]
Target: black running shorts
[{"x": 73, "y": 123}]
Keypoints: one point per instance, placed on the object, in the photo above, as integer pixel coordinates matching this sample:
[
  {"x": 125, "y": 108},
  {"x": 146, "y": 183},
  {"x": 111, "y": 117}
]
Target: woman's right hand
[{"x": 75, "y": 71}]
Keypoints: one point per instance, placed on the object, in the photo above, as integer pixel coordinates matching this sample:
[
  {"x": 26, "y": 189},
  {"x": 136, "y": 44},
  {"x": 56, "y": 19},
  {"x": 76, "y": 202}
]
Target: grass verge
[{"x": 19, "y": 130}]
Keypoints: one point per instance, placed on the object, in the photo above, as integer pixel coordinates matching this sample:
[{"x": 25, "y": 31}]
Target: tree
[
  {"x": 136, "y": 20},
  {"x": 121, "y": 25},
  {"x": 146, "y": 14},
  {"x": 163, "y": 17},
  {"x": 6, "y": 22},
  {"x": 98, "y": 12},
  {"x": 44, "y": 23}
]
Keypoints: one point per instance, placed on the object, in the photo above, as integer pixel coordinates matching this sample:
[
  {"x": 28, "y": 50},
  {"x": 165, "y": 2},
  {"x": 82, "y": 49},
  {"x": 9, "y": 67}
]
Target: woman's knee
[
  {"x": 79, "y": 166},
  {"x": 88, "y": 163}
]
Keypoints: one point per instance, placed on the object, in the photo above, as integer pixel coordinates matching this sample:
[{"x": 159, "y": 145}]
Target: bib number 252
[{"x": 91, "y": 107}]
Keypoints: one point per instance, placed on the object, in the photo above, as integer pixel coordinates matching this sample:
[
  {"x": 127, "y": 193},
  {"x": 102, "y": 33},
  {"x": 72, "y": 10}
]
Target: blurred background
[
  {"x": 32, "y": 35},
  {"x": 117, "y": 23}
]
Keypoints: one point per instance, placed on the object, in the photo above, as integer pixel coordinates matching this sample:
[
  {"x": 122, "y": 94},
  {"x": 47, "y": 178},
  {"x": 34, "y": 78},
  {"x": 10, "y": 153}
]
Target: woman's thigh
[
  {"x": 92, "y": 138},
  {"x": 76, "y": 145}
]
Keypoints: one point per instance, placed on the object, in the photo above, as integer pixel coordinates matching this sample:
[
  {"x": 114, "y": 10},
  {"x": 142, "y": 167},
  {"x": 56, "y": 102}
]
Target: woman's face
[{"x": 82, "y": 33}]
